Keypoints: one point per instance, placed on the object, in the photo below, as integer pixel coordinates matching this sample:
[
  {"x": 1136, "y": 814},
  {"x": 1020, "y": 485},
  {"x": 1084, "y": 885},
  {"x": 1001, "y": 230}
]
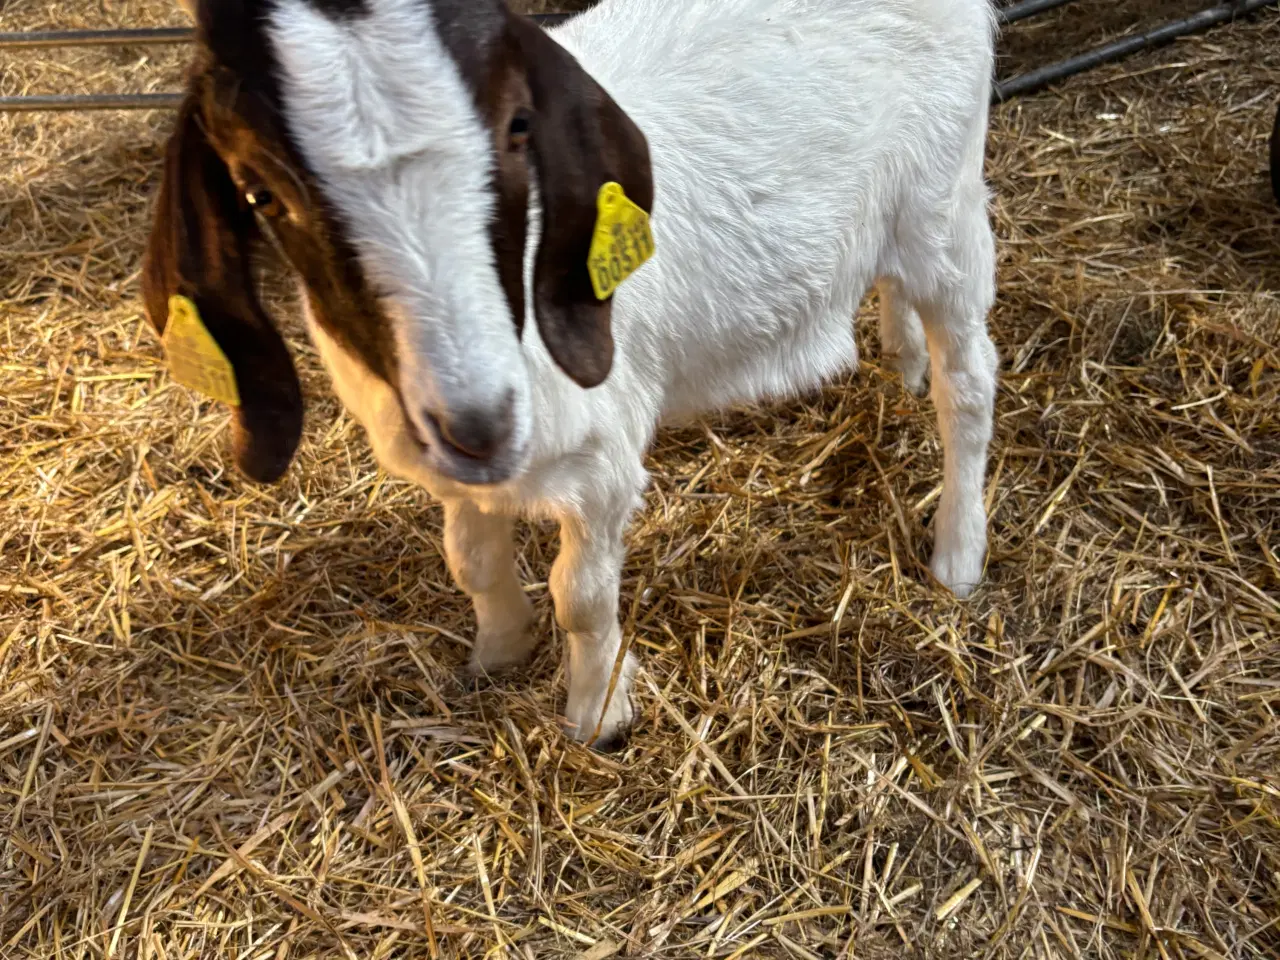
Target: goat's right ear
[{"x": 201, "y": 242}]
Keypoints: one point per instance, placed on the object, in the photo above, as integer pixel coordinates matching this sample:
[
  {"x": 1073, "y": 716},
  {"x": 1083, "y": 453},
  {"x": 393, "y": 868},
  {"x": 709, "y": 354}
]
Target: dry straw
[{"x": 231, "y": 722}]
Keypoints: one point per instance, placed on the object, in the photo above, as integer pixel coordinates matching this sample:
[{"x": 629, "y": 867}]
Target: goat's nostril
[{"x": 479, "y": 434}]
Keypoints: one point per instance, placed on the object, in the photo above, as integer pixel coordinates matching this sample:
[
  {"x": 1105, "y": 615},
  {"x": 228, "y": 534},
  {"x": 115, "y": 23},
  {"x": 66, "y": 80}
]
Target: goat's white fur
[{"x": 803, "y": 151}]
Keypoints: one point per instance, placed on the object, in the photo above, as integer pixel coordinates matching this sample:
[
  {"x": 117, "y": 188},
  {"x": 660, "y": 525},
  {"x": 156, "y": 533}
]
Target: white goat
[{"x": 801, "y": 152}]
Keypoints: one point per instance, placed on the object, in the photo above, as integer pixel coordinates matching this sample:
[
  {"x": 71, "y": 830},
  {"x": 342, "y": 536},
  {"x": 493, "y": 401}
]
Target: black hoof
[{"x": 614, "y": 743}]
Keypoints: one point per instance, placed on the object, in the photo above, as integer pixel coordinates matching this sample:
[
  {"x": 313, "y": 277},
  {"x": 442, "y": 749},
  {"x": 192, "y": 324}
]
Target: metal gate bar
[
  {"x": 90, "y": 101},
  {"x": 1005, "y": 90},
  {"x": 41, "y": 39},
  {"x": 1027, "y": 8},
  {"x": 1119, "y": 49},
  {"x": 47, "y": 39},
  {"x": 38, "y": 39}
]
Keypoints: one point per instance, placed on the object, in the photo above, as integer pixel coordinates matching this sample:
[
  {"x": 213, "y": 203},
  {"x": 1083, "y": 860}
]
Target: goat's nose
[{"x": 478, "y": 433}]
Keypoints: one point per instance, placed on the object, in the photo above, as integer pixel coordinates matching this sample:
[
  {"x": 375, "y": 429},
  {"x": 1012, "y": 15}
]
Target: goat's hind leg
[
  {"x": 903, "y": 346},
  {"x": 964, "y": 364},
  {"x": 481, "y": 557}
]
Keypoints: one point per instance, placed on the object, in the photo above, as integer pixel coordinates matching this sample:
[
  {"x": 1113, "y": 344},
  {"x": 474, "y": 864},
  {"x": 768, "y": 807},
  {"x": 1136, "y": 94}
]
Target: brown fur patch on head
[{"x": 259, "y": 154}]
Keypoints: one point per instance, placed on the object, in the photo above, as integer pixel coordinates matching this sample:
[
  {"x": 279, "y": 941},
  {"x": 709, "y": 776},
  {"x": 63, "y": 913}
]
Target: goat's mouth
[{"x": 450, "y": 461}]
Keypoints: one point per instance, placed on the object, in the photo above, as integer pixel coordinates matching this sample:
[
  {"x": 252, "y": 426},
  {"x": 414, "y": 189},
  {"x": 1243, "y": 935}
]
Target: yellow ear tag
[
  {"x": 195, "y": 359},
  {"x": 622, "y": 241}
]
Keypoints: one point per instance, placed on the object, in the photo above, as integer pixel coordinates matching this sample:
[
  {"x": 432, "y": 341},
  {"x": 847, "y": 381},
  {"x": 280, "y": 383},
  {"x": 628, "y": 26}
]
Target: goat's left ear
[{"x": 581, "y": 140}]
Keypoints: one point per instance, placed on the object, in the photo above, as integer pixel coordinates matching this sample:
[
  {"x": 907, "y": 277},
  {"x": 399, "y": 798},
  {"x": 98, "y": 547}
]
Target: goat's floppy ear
[
  {"x": 200, "y": 248},
  {"x": 581, "y": 140}
]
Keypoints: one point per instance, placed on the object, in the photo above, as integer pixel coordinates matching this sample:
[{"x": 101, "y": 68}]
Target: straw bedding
[{"x": 231, "y": 721}]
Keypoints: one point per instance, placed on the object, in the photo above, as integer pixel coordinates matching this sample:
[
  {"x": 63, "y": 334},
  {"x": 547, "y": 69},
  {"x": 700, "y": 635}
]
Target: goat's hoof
[
  {"x": 615, "y": 743},
  {"x": 914, "y": 372},
  {"x": 495, "y": 653},
  {"x": 960, "y": 571},
  {"x": 607, "y": 733},
  {"x": 615, "y": 731},
  {"x": 917, "y": 386}
]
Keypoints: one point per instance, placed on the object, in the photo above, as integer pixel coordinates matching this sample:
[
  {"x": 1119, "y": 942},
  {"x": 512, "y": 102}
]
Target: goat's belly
[{"x": 744, "y": 374}]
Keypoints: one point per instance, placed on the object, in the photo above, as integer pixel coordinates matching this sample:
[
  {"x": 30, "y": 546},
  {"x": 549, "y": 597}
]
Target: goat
[{"x": 431, "y": 170}]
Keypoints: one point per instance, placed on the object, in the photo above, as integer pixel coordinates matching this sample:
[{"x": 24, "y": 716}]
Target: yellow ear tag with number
[
  {"x": 195, "y": 359},
  {"x": 622, "y": 242}
]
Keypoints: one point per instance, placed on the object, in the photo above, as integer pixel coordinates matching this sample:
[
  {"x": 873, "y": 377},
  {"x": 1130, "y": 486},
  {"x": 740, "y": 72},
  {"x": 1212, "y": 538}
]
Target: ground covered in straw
[{"x": 231, "y": 723}]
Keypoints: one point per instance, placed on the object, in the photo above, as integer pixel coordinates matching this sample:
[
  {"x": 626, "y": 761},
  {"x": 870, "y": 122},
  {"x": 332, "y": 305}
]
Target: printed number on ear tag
[
  {"x": 622, "y": 241},
  {"x": 195, "y": 359}
]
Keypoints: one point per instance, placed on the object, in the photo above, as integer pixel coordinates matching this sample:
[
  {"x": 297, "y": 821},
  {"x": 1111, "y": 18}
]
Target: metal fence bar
[
  {"x": 1025, "y": 83},
  {"x": 1027, "y": 8},
  {"x": 1126, "y": 46},
  {"x": 91, "y": 101},
  {"x": 44, "y": 39}
]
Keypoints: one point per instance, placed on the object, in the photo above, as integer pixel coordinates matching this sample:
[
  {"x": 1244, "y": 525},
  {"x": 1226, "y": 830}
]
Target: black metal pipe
[
  {"x": 1040, "y": 78},
  {"x": 1017, "y": 86},
  {"x": 120, "y": 101},
  {"x": 44, "y": 39},
  {"x": 41, "y": 39},
  {"x": 92, "y": 101},
  {"x": 1027, "y": 8}
]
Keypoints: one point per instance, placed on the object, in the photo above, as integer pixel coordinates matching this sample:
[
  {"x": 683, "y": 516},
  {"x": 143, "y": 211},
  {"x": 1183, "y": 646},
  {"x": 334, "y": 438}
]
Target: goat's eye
[
  {"x": 263, "y": 201},
  {"x": 518, "y": 133}
]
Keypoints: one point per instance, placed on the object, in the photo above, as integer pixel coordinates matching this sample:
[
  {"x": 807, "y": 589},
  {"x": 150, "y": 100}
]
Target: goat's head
[{"x": 390, "y": 148}]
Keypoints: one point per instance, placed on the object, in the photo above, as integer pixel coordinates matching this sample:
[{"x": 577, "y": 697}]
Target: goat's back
[{"x": 789, "y": 139}]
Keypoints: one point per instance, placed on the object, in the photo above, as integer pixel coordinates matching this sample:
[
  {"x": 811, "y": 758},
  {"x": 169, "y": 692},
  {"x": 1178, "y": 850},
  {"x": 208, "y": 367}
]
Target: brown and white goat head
[{"x": 392, "y": 150}]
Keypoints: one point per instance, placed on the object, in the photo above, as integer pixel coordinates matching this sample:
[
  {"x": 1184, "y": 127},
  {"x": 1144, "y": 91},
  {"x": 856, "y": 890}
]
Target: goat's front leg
[
  {"x": 584, "y": 585},
  {"x": 481, "y": 557}
]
